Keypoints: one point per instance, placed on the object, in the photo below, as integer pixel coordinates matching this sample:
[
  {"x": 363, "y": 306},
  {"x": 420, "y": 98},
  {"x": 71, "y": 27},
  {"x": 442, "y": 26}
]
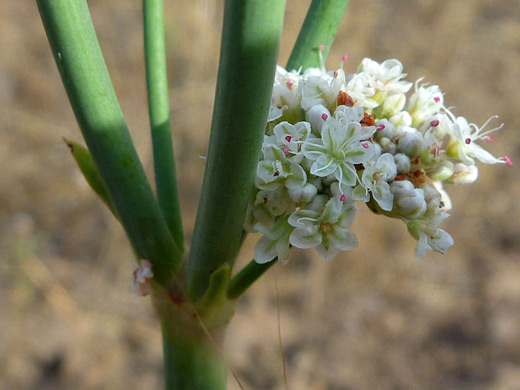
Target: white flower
[
  {"x": 275, "y": 170},
  {"x": 376, "y": 177},
  {"x": 424, "y": 103},
  {"x": 463, "y": 146},
  {"x": 289, "y": 138},
  {"x": 316, "y": 116},
  {"x": 429, "y": 236},
  {"x": 342, "y": 144},
  {"x": 385, "y": 77},
  {"x": 274, "y": 242},
  {"x": 324, "y": 226},
  {"x": 319, "y": 87}
]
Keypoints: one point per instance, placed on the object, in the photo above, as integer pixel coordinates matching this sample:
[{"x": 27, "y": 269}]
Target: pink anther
[
  {"x": 324, "y": 116},
  {"x": 288, "y": 138},
  {"x": 286, "y": 150},
  {"x": 467, "y": 141},
  {"x": 437, "y": 99},
  {"x": 321, "y": 47},
  {"x": 489, "y": 138},
  {"x": 342, "y": 197},
  {"x": 434, "y": 123},
  {"x": 381, "y": 127},
  {"x": 365, "y": 145},
  {"x": 508, "y": 161}
]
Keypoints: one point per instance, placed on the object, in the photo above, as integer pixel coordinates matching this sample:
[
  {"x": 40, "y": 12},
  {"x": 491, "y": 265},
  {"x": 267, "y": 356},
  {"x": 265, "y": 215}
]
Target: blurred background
[{"x": 373, "y": 318}]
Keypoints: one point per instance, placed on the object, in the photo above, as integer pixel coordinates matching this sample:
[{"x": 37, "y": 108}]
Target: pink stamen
[
  {"x": 437, "y": 99},
  {"x": 489, "y": 138},
  {"x": 342, "y": 197},
  {"x": 265, "y": 199},
  {"x": 288, "y": 138},
  {"x": 321, "y": 47},
  {"x": 434, "y": 123},
  {"x": 277, "y": 173},
  {"x": 508, "y": 161},
  {"x": 324, "y": 116},
  {"x": 286, "y": 150},
  {"x": 381, "y": 127},
  {"x": 344, "y": 58},
  {"x": 289, "y": 84},
  {"x": 365, "y": 145},
  {"x": 467, "y": 141}
]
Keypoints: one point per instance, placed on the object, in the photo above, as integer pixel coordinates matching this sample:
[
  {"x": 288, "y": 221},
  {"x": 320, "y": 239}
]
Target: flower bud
[
  {"x": 463, "y": 174},
  {"x": 411, "y": 144},
  {"x": 408, "y": 199},
  {"x": 302, "y": 194},
  {"x": 402, "y": 163},
  {"x": 316, "y": 116}
]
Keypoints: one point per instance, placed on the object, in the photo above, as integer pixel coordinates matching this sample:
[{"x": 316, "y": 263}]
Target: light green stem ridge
[
  {"x": 249, "y": 52},
  {"x": 246, "y": 277},
  {"x": 84, "y": 74},
  {"x": 319, "y": 28},
  {"x": 159, "y": 112}
]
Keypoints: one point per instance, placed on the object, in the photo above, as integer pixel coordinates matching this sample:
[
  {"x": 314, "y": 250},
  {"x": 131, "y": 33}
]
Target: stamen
[
  {"x": 467, "y": 141},
  {"x": 265, "y": 199},
  {"x": 286, "y": 150},
  {"x": 342, "y": 197},
  {"x": 508, "y": 161},
  {"x": 277, "y": 173},
  {"x": 365, "y": 145},
  {"x": 289, "y": 84},
  {"x": 381, "y": 127},
  {"x": 489, "y": 138},
  {"x": 324, "y": 116},
  {"x": 436, "y": 99},
  {"x": 344, "y": 58},
  {"x": 321, "y": 47},
  {"x": 434, "y": 123},
  {"x": 288, "y": 138}
]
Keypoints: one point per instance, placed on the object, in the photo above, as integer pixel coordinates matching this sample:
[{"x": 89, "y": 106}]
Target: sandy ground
[{"x": 375, "y": 318}]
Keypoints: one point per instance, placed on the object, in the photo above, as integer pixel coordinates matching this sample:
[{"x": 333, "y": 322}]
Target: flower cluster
[{"x": 334, "y": 139}]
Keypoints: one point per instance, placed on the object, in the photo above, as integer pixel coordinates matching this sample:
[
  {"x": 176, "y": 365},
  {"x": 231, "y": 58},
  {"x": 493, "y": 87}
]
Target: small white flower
[
  {"x": 429, "y": 236},
  {"x": 424, "y": 103},
  {"x": 385, "y": 77},
  {"x": 324, "y": 226},
  {"x": 319, "y": 87},
  {"x": 376, "y": 177},
  {"x": 340, "y": 147},
  {"x": 275, "y": 170},
  {"x": 274, "y": 242},
  {"x": 463, "y": 146}
]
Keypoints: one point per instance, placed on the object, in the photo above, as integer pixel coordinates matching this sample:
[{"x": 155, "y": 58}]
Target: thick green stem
[
  {"x": 246, "y": 277},
  {"x": 80, "y": 62},
  {"x": 249, "y": 52},
  {"x": 319, "y": 28},
  {"x": 159, "y": 112}
]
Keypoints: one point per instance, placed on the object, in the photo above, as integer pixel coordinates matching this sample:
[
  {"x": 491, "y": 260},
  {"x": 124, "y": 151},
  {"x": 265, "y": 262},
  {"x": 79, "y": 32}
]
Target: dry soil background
[{"x": 375, "y": 318}]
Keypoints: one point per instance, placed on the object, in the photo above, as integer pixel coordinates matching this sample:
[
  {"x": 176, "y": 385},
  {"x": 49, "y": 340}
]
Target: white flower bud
[
  {"x": 442, "y": 172},
  {"x": 303, "y": 194},
  {"x": 463, "y": 174},
  {"x": 409, "y": 200},
  {"x": 411, "y": 144},
  {"x": 316, "y": 116},
  {"x": 402, "y": 162}
]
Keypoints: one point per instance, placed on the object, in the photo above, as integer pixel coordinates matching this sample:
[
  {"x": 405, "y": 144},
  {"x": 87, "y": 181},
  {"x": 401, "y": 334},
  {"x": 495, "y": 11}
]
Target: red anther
[
  {"x": 289, "y": 84},
  {"x": 265, "y": 199},
  {"x": 489, "y": 138},
  {"x": 508, "y": 161},
  {"x": 286, "y": 150},
  {"x": 324, "y": 116},
  {"x": 342, "y": 197},
  {"x": 437, "y": 99},
  {"x": 321, "y": 47},
  {"x": 277, "y": 173},
  {"x": 344, "y": 58},
  {"x": 434, "y": 123},
  {"x": 467, "y": 141},
  {"x": 288, "y": 138},
  {"x": 381, "y": 127},
  {"x": 365, "y": 145}
]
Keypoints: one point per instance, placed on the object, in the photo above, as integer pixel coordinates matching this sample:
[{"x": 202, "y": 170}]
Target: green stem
[
  {"x": 319, "y": 28},
  {"x": 249, "y": 52},
  {"x": 159, "y": 112},
  {"x": 84, "y": 74},
  {"x": 246, "y": 277}
]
